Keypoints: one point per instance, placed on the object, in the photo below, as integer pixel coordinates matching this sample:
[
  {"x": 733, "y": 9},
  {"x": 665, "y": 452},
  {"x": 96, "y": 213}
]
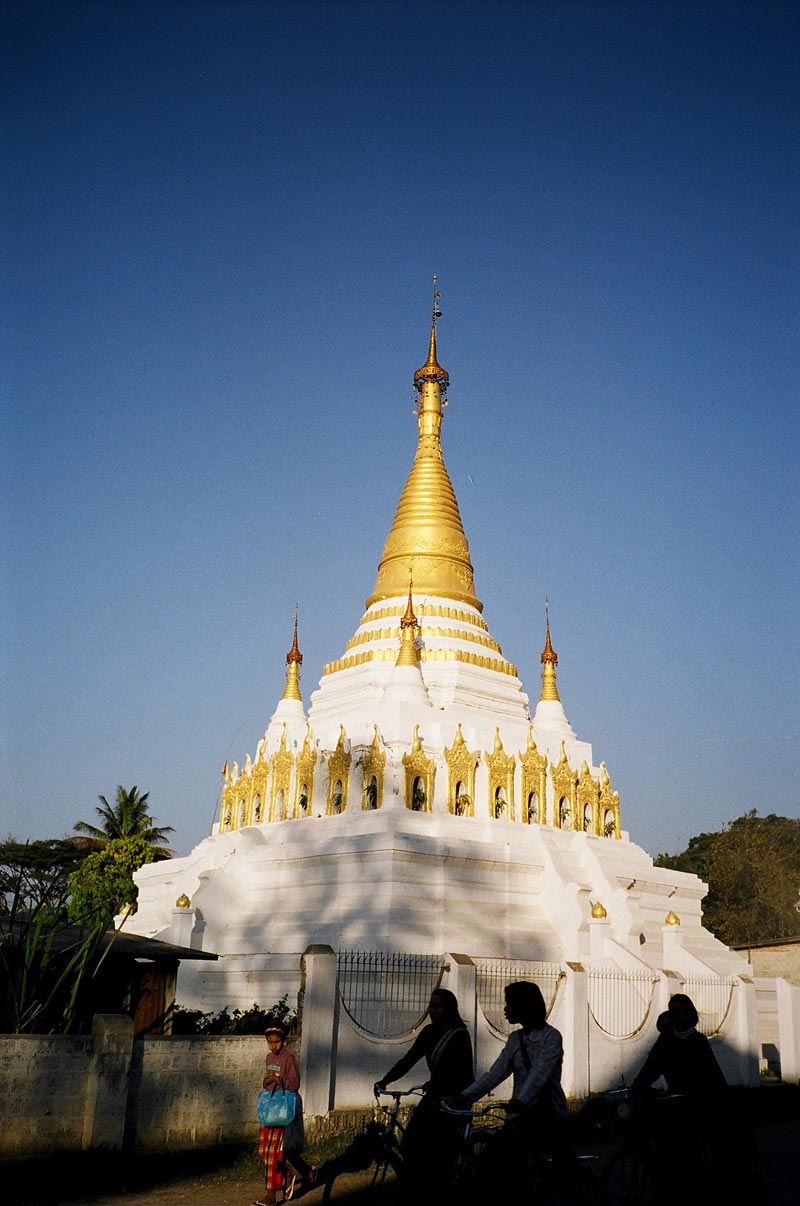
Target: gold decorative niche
[
  {"x": 339, "y": 775},
  {"x": 534, "y": 783},
  {"x": 306, "y": 761},
  {"x": 461, "y": 766},
  {"x": 282, "y": 763},
  {"x": 501, "y": 781},
  {"x": 260, "y": 773},
  {"x": 565, "y": 783},
  {"x": 610, "y": 818},
  {"x": 587, "y": 801},
  {"x": 373, "y": 767},
  {"x": 419, "y": 776}
]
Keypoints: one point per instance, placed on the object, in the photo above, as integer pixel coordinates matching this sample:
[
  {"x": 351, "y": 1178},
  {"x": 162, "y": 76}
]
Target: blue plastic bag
[{"x": 276, "y": 1107}]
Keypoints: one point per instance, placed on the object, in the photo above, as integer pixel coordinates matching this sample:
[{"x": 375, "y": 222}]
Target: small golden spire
[
  {"x": 599, "y": 911},
  {"x": 672, "y": 918},
  {"x": 549, "y": 660},
  {"x": 427, "y": 530},
  {"x": 409, "y": 631},
  {"x": 183, "y": 902},
  {"x": 294, "y": 660}
]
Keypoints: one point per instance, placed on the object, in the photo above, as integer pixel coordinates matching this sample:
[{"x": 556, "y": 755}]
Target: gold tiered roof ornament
[
  {"x": 409, "y": 632},
  {"x": 294, "y": 660},
  {"x": 549, "y": 660},
  {"x": 427, "y": 532}
]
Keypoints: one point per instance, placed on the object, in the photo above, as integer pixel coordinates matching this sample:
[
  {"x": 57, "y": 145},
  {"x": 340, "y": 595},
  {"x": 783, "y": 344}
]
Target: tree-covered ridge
[{"x": 752, "y": 868}]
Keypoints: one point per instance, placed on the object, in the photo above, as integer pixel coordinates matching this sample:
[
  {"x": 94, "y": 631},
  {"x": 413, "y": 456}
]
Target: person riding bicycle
[
  {"x": 702, "y": 1110},
  {"x": 428, "y": 1145},
  {"x": 537, "y": 1111}
]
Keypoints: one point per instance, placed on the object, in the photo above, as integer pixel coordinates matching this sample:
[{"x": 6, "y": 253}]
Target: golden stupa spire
[
  {"x": 427, "y": 532},
  {"x": 549, "y": 661},
  {"x": 294, "y": 660},
  {"x": 409, "y": 629}
]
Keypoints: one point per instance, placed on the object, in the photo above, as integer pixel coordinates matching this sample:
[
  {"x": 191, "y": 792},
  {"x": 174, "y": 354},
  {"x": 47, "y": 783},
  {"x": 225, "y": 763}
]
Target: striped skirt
[{"x": 270, "y": 1150}]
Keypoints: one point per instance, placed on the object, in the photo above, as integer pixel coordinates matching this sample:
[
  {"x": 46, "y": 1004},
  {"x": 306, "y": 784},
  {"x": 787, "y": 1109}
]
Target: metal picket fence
[
  {"x": 620, "y": 1000},
  {"x": 494, "y": 974},
  {"x": 386, "y": 993}
]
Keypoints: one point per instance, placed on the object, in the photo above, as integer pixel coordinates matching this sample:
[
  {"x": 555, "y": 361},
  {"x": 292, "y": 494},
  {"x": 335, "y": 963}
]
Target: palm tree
[{"x": 129, "y": 817}]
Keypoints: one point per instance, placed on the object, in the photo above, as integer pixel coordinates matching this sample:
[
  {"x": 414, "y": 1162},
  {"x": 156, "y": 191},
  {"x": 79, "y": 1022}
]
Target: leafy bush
[{"x": 249, "y": 1021}]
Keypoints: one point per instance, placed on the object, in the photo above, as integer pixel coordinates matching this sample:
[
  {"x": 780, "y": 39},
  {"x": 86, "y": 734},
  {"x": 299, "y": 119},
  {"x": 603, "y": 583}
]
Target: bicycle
[
  {"x": 553, "y": 1181},
  {"x": 661, "y": 1147},
  {"x": 386, "y": 1134}
]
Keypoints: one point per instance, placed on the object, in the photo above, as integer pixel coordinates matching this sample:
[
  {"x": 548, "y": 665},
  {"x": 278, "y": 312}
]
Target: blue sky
[{"x": 219, "y": 224}]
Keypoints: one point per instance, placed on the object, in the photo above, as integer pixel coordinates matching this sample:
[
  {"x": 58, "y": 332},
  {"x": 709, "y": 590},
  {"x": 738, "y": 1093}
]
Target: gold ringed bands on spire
[{"x": 427, "y": 533}]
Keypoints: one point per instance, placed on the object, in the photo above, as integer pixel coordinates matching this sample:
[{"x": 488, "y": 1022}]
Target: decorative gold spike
[
  {"x": 294, "y": 660},
  {"x": 672, "y": 918},
  {"x": 183, "y": 902},
  {"x": 549, "y": 660},
  {"x": 427, "y": 531},
  {"x": 409, "y": 631},
  {"x": 599, "y": 911}
]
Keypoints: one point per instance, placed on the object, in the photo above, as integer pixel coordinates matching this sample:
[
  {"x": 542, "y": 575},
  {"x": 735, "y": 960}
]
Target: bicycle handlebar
[
  {"x": 416, "y": 1091},
  {"x": 490, "y": 1109}
]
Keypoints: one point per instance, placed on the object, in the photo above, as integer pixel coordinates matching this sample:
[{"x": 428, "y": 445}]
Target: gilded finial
[
  {"x": 294, "y": 654},
  {"x": 549, "y": 660},
  {"x": 294, "y": 660},
  {"x": 672, "y": 918},
  {"x": 183, "y": 902},
  {"x": 599, "y": 911},
  {"x": 409, "y": 629}
]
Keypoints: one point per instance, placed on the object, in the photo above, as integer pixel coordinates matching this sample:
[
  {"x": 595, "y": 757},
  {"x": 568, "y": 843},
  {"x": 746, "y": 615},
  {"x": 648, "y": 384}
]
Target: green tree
[
  {"x": 752, "y": 868},
  {"x": 103, "y": 884},
  {"x": 37, "y": 873},
  {"x": 129, "y": 817}
]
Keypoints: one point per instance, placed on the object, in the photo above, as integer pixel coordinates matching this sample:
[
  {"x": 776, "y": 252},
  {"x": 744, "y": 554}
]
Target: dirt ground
[{"x": 229, "y": 1179}]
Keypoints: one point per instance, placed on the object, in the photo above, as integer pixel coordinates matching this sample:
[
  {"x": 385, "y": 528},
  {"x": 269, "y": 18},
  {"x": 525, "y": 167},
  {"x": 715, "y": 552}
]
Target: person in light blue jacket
[{"x": 537, "y": 1111}]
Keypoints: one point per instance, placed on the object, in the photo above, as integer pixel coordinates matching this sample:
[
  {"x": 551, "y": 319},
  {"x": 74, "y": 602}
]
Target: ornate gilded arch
[
  {"x": 260, "y": 773},
  {"x": 339, "y": 773},
  {"x": 534, "y": 781},
  {"x": 420, "y": 768},
  {"x": 373, "y": 765},
  {"x": 587, "y": 796},
  {"x": 610, "y": 818},
  {"x": 228, "y": 801},
  {"x": 501, "y": 780},
  {"x": 565, "y": 783},
  {"x": 306, "y": 761},
  {"x": 461, "y": 766},
  {"x": 282, "y": 763}
]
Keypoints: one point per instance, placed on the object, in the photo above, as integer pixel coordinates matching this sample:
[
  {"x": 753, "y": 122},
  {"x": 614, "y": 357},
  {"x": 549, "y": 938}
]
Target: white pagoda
[{"x": 418, "y": 805}]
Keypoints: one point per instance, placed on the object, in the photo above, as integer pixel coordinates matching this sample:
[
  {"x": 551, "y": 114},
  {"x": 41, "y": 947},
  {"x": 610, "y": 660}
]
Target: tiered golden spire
[
  {"x": 549, "y": 661},
  {"x": 409, "y": 630},
  {"x": 427, "y": 532},
  {"x": 294, "y": 660}
]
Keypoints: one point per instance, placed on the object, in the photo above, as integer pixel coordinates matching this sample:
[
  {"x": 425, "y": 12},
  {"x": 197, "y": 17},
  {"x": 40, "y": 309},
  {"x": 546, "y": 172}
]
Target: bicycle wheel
[
  {"x": 627, "y": 1181},
  {"x": 389, "y": 1158}
]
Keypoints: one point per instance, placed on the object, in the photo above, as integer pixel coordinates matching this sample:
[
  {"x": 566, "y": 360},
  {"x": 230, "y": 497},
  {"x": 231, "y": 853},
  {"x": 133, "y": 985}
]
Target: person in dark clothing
[
  {"x": 429, "y": 1143},
  {"x": 703, "y": 1110},
  {"x": 683, "y": 1056}
]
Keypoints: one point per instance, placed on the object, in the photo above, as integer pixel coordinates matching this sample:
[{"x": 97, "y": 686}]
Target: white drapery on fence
[
  {"x": 387, "y": 993},
  {"x": 494, "y": 974},
  {"x": 620, "y": 1000}
]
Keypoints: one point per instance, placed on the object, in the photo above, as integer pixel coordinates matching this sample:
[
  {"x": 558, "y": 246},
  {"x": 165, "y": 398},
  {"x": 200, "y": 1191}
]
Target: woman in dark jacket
[{"x": 429, "y": 1143}]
